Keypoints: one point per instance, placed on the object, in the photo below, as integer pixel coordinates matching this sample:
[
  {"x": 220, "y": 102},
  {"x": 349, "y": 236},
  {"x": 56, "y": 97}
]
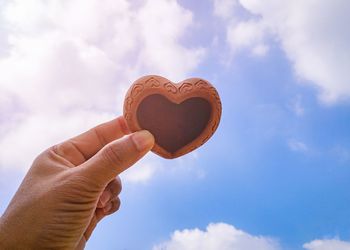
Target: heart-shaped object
[{"x": 182, "y": 116}]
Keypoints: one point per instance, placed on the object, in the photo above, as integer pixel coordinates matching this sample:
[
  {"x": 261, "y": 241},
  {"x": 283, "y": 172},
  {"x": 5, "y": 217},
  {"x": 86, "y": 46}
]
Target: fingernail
[
  {"x": 105, "y": 197},
  {"x": 143, "y": 140}
]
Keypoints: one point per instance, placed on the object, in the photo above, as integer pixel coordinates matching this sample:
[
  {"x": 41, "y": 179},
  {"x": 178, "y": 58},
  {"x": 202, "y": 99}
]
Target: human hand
[{"x": 71, "y": 187}]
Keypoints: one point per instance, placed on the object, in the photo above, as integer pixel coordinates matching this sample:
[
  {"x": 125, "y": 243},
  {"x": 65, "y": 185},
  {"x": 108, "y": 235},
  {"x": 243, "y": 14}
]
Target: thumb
[{"x": 117, "y": 156}]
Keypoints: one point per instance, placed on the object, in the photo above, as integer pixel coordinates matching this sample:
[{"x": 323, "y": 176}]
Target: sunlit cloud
[
  {"x": 327, "y": 244},
  {"x": 217, "y": 236},
  {"x": 68, "y": 65},
  {"x": 312, "y": 35}
]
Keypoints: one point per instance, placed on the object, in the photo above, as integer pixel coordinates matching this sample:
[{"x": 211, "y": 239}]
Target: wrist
[
  {"x": 8, "y": 235},
  {"x": 5, "y": 237}
]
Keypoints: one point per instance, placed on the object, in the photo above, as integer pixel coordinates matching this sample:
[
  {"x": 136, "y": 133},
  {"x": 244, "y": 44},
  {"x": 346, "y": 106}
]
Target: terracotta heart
[{"x": 182, "y": 116}]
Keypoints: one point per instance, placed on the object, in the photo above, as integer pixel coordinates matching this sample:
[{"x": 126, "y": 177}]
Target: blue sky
[{"x": 277, "y": 168}]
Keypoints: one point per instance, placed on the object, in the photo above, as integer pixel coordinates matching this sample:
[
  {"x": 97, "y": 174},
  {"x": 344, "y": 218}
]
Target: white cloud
[
  {"x": 247, "y": 35},
  {"x": 332, "y": 244},
  {"x": 68, "y": 64},
  {"x": 225, "y": 8},
  {"x": 150, "y": 166},
  {"x": 297, "y": 146},
  {"x": 217, "y": 236},
  {"x": 143, "y": 170},
  {"x": 226, "y": 237},
  {"x": 140, "y": 173},
  {"x": 312, "y": 34},
  {"x": 162, "y": 51},
  {"x": 27, "y": 137}
]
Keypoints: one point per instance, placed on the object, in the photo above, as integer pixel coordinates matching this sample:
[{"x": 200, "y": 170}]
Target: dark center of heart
[{"x": 173, "y": 125}]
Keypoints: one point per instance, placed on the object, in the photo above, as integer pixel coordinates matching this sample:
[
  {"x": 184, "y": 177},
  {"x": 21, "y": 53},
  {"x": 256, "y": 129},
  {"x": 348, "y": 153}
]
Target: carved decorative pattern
[
  {"x": 153, "y": 83},
  {"x": 170, "y": 87},
  {"x": 189, "y": 88},
  {"x": 201, "y": 84},
  {"x": 137, "y": 89},
  {"x": 186, "y": 87}
]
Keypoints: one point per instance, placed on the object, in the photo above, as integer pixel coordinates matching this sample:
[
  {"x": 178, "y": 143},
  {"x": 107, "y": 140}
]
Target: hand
[{"x": 71, "y": 187}]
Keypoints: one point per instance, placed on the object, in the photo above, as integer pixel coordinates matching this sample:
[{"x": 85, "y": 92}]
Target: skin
[{"x": 71, "y": 187}]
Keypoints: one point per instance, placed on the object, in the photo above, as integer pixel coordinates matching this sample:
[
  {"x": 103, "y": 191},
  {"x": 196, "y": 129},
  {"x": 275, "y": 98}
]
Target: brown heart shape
[{"x": 181, "y": 116}]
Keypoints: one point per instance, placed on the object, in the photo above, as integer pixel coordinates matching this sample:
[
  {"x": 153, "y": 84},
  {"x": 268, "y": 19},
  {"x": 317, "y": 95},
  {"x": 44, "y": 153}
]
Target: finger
[
  {"x": 117, "y": 156},
  {"x": 113, "y": 206},
  {"x": 81, "y": 244},
  {"x": 93, "y": 224},
  {"x": 113, "y": 189},
  {"x": 82, "y": 147}
]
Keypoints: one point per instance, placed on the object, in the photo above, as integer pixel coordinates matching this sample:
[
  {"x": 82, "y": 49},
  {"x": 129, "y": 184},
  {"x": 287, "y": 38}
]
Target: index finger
[{"x": 82, "y": 147}]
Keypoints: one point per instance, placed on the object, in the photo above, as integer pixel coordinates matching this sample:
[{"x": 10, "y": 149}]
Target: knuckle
[
  {"x": 120, "y": 185},
  {"x": 115, "y": 187},
  {"x": 83, "y": 182},
  {"x": 44, "y": 156},
  {"x": 123, "y": 125},
  {"x": 117, "y": 182},
  {"x": 113, "y": 155},
  {"x": 117, "y": 204}
]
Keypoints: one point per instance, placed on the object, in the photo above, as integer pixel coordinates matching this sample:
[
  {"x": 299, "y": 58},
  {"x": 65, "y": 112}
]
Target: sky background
[{"x": 276, "y": 175}]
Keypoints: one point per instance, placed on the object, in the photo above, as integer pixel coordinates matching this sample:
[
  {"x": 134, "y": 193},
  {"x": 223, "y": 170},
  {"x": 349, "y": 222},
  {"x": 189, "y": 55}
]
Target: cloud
[
  {"x": 297, "y": 146},
  {"x": 68, "y": 64},
  {"x": 332, "y": 244},
  {"x": 162, "y": 52},
  {"x": 312, "y": 35},
  {"x": 241, "y": 35},
  {"x": 225, "y": 8},
  {"x": 247, "y": 35},
  {"x": 143, "y": 170},
  {"x": 27, "y": 137},
  {"x": 226, "y": 237},
  {"x": 217, "y": 236}
]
